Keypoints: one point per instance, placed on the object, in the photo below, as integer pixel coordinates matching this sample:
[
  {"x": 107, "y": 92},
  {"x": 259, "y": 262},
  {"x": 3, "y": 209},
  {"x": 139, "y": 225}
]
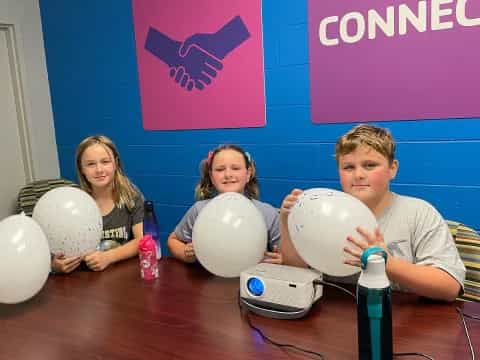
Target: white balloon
[
  {"x": 24, "y": 259},
  {"x": 70, "y": 219},
  {"x": 319, "y": 224},
  {"x": 229, "y": 235}
]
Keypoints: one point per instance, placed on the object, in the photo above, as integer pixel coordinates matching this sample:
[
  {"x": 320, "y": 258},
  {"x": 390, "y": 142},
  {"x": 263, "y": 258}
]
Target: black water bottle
[
  {"x": 374, "y": 308},
  {"x": 150, "y": 225}
]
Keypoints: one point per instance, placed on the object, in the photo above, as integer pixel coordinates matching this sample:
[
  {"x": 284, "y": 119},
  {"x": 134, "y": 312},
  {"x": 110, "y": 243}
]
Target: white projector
[{"x": 279, "y": 291}]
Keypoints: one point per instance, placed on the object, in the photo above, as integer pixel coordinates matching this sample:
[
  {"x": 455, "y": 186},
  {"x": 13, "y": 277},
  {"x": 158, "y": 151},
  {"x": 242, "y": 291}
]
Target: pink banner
[
  {"x": 396, "y": 60},
  {"x": 200, "y": 63}
]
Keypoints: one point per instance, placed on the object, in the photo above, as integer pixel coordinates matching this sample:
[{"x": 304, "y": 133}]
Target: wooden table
[{"x": 190, "y": 314}]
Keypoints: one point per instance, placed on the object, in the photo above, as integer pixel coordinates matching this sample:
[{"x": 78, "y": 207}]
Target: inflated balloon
[
  {"x": 319, "y": 224},
  {"x": 24, "y": 259},
  {"x": 70, "y": 219},
  {"x": 229, "y": 235}
]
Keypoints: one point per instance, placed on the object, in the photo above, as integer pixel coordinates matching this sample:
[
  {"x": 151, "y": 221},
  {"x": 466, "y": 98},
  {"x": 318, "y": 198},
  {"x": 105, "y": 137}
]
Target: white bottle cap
[{"x": 374, "y": 275}]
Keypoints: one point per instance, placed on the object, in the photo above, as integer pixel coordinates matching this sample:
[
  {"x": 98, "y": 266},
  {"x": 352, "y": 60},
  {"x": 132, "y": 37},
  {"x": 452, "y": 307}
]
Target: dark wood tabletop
[{"x": 190, "y": 314}]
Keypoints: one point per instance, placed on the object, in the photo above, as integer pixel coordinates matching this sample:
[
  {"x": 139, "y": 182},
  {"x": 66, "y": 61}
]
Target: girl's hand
[
  {"x": 98, "y": 260},
  {"x": 189, "y": 253},
  {"x": 357, "y": 246},
  {"x": 289, "y": 201},
  {"x": 273, "y": 257},
  {"x": 62, "y": 264}
]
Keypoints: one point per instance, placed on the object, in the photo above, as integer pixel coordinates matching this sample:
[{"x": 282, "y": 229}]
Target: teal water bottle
[{"x": 374, "y": 307}]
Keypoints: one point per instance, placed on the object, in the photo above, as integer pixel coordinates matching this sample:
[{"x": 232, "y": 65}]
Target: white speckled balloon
[
  {"x": 319, "y": 224},
  {"x": 70, "y": 219}
]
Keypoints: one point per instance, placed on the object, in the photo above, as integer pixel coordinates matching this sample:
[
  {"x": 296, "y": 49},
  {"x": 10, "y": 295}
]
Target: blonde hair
[
  {"x": 206, "y": 190},
  {"x": 123, "y": 191},
  {"x": 375, "y": 137}
]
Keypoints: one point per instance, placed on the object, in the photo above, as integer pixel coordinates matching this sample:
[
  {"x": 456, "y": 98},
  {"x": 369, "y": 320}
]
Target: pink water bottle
[{"x": 147, "y": 253}]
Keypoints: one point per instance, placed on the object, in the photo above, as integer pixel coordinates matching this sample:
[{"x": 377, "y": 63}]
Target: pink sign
[
  {"x": 200, "y": 63},
  {"x": 399, "y": 60}
]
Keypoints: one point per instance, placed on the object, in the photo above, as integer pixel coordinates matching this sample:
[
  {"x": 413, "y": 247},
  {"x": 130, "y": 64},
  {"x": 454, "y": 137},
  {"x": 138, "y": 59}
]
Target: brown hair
[
  {"x": 123, "y": 191},
  {"x": 206, "y": 190},
  {"x": 375, "y": 137}
]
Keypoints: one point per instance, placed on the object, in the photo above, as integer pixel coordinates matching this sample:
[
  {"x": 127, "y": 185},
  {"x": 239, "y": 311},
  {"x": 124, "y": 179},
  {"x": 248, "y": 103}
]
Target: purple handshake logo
[{"x": 197, "y": 60}]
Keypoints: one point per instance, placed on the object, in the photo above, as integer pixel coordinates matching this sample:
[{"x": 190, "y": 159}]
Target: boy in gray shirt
[{"x": 422, "y": 256}]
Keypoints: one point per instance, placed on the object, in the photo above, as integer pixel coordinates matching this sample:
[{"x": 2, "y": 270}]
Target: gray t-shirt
[
  {"x": 184, "y": 229},
  {"x": 416, "y": 232},
  {"x": 117, "y": 225}
]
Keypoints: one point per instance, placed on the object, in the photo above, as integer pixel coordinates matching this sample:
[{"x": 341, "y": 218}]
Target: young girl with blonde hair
[{"x": 101, "y": 174}]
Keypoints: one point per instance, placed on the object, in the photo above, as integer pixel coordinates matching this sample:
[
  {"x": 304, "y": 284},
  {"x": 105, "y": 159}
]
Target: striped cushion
[
  {"x": 30, "y": 193},
  {"x": 468, "y": 245}
]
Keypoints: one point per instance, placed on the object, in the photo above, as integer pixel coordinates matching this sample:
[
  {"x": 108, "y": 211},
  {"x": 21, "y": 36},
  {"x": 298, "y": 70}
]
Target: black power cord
[
  {"x": 465, "y": 327},
  {"x": 326, "y": 283},
  {"x": 413, "y": 354},
  {"x": 270, "y": 340}
]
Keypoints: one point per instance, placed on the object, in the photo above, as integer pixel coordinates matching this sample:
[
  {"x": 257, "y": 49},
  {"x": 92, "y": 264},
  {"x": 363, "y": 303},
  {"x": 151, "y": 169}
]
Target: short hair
[
  {"x": 206, "y": 190},
  {"x": 124, "y": 192},
  {"x": 377, "y": 138}
]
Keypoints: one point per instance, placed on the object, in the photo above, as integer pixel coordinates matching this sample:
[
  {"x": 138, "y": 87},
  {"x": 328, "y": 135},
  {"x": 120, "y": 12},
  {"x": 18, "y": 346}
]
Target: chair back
[
  {"x": 30, "y": 193},
  {"x": 468, "y": 245}
]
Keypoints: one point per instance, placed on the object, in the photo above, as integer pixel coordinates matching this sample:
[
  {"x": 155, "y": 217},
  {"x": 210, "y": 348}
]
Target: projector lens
[{"x": 255, "y": 286}]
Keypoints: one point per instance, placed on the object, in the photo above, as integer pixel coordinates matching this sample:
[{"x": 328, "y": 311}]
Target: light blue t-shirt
[{"x": 183, "y": 230}]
